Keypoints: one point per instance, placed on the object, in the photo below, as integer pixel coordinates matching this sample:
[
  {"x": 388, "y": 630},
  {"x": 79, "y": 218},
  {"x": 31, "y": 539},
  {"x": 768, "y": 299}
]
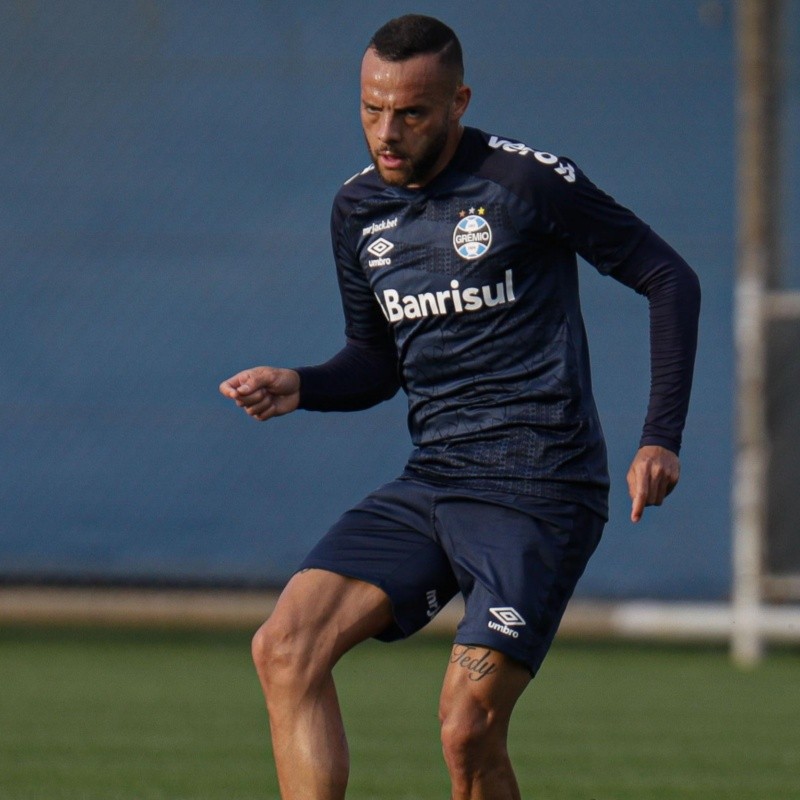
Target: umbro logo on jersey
[
  {"x": 472, "y": 236},
  {"x": 379, "y": 248},
  {"x": 509, "y": 618}
]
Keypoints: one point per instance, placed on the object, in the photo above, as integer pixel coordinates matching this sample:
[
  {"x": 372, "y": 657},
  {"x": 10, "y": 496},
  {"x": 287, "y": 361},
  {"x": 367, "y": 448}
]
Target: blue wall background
[{"x": 166, "y": 172}]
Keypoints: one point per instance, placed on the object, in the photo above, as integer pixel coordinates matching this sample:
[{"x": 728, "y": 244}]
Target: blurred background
[{"x": 166, "y": 175}]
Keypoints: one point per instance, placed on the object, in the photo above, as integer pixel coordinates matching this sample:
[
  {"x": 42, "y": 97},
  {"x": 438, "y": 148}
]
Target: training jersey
[{"x": 469, "y": 285}]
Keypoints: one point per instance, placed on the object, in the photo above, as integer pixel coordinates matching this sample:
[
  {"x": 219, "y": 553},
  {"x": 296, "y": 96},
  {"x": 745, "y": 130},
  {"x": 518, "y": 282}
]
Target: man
[{"x": 456, "y": 262}]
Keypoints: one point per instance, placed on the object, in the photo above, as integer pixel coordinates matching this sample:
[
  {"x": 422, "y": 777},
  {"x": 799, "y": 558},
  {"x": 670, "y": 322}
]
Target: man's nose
[{"x": 389, "y": 128}]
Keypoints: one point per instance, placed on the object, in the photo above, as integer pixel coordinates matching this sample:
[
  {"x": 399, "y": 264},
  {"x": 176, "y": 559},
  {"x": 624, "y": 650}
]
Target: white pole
[
  {"x": 757, "y": 33},
  {"x": 749, "y": 486}
]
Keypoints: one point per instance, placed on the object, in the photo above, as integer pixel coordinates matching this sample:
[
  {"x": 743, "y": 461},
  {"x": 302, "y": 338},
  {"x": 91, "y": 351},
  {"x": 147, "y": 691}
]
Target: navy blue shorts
[{"x": 515, "y": 559}]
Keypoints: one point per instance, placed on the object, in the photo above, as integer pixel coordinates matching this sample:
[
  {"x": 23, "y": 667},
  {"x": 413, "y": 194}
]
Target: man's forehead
[{"x": 420, "y": 75}]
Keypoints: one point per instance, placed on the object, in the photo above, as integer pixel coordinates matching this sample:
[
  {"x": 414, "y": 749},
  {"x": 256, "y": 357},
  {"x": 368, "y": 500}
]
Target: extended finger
[
  {"x": 637, "y": 506},
  {"x": 642, "y": 490}
]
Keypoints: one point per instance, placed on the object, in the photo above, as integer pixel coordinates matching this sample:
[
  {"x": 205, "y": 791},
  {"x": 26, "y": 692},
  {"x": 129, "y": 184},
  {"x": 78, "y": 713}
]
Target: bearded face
[{"x": 410, "y": 113}]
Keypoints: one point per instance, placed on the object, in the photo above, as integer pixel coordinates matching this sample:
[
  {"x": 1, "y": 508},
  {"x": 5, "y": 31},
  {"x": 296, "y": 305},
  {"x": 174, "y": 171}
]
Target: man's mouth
[{"x": 391, "y": 160}]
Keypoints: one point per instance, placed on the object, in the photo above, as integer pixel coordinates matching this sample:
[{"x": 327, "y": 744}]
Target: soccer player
[{"x": 456, "y": 259}]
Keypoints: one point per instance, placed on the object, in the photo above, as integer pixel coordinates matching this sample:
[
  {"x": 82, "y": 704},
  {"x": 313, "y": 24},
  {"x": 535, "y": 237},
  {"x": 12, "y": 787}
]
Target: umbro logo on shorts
[{"x": 508, "y": 617}]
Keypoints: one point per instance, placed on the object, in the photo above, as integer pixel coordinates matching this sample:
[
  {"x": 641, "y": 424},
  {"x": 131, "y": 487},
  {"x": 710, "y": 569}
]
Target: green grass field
[{"x": 103, "y": 715}]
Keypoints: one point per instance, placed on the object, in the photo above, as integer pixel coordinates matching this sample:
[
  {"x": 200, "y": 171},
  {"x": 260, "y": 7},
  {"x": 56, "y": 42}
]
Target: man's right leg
[{"x": 320, "y": 615}]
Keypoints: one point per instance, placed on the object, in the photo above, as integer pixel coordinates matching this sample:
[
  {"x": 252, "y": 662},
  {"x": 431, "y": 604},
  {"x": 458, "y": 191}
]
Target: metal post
[{"x": 758, "y": 36}]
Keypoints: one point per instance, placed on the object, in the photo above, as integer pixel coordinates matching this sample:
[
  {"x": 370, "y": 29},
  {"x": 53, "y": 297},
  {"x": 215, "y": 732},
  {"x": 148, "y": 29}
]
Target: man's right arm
[
  {"x": 358, "y": 376},
  {"x": 361, "y": 375}
]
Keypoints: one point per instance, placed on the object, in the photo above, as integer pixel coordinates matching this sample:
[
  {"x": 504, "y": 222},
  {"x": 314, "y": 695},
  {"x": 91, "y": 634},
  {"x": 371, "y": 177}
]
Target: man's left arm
[
  {"x": 672, "y": 288},
  {"x": 618, "y": 243}
]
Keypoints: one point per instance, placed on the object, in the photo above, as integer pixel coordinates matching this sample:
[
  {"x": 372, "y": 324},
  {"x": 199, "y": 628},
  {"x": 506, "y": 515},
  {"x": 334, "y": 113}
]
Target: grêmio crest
[{"x": 472, "y": 236}]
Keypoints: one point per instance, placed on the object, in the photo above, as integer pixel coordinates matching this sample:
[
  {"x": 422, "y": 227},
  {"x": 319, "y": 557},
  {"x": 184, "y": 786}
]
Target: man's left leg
[
  {"x": 535, "y": 551},
  {"x": 481, "y": 688}
]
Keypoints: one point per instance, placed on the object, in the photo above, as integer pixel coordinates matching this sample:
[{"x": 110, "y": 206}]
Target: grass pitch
[{"x": 156, "y": 715}]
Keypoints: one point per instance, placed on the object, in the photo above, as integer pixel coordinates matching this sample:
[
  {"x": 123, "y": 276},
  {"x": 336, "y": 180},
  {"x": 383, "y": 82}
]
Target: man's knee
[
  {"x": 475, "y": 715},
  {"x": 319, "y": 617},
  {"x": 275, "y": 651},
  {"x": 471, "y": 733}
]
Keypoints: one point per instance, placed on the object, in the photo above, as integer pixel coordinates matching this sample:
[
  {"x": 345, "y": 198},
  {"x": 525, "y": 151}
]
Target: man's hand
[
  {"x": 653, "y": 475},
  {"x": 264, "y": 392}
]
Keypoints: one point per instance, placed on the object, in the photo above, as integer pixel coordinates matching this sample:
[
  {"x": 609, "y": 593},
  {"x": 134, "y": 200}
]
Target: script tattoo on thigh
[{"x": 476, "y": 660}]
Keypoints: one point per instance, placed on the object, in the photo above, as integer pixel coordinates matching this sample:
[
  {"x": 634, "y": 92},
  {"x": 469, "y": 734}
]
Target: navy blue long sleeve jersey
[{"x": 465, "y": 294}]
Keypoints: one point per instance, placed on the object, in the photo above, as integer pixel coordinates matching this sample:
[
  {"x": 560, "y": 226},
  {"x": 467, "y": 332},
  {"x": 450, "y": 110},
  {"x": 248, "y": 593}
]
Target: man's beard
[{"x": 418, "y": 170}]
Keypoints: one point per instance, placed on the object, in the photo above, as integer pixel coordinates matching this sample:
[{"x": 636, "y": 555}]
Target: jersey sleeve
[
  {"x": 571, "y": 208},
  {"x": 359, "y": 376},
  {"x": 672, "y": 288},
  {"x": 615, "y": 241}
]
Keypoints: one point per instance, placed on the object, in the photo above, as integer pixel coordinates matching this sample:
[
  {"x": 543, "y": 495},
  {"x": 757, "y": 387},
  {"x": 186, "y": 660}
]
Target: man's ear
[{"x": 460, "y": 102}]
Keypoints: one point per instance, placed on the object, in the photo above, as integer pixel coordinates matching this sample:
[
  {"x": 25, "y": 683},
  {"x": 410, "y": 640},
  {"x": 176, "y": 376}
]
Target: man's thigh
[
  {"x": 517, "y": 561},
  {"x": 481, "y": 683},
  {"x": 388, "y": 540},
  {"x": 324, "y": 614}
]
